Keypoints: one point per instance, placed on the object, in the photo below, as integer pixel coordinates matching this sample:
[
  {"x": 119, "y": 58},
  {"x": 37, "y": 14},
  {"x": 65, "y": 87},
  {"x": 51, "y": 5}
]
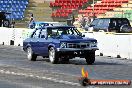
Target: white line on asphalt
[
  {"x": 64, "y": 74},
  {"x": 39, "y": 77},
  {"x": 14, "y": 49}
]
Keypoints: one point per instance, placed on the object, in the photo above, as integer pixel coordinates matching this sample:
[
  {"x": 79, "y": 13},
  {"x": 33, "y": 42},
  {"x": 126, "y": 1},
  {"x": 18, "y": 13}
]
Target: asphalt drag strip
[
  {"x": 15, "y": 69},
  {"x": 23, "y": 78}
]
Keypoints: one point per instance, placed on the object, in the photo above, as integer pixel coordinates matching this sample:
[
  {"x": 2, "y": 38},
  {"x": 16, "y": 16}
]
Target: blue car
[{"x": 59, "y": 43}]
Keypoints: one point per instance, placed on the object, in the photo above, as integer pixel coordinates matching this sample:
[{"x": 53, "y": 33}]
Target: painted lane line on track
[
  {"x": 12, "y": 49},
  {"x": 39, "y": 77}
]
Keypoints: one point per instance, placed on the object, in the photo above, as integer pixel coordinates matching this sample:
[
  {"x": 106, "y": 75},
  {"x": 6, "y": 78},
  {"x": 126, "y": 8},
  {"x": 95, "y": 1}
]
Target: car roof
[
  {"x": 51, "y": 22},
  {"x": 45, "y": 22},
  {"x": 38, "y": 22},
  {"x": 59, "y": 27},
  {"x": 110, "y": 18}
]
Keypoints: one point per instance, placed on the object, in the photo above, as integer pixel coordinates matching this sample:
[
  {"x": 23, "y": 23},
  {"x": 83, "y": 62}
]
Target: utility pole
[{"x": 93, "y": 9}]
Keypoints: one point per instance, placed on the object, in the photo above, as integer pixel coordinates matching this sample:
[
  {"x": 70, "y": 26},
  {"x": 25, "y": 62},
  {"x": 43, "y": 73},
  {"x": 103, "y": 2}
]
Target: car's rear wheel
[
  {"x": 53, "y": 56},
  {"x": 90, "y": 57},
  {"x": 30, "y": 55}
]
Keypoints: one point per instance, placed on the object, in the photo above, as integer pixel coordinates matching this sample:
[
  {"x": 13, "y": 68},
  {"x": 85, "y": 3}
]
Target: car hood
[
  {"x": 70, "y": 37},
  {"x": 75, "y": 38}
]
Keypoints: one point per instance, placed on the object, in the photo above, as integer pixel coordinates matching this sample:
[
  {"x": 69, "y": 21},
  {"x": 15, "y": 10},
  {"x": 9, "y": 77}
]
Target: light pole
[{"x": 93, "y": 8}]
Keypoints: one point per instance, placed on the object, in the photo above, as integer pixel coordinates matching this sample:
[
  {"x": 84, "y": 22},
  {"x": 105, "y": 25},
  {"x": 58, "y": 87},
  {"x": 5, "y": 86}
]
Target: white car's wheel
[
  {"x": 30, "y": 55},
  {"x": 53, "y": 56}
]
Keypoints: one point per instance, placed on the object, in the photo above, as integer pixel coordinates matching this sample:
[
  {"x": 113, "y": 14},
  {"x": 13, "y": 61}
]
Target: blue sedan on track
[{"x": 59, "y": 43}]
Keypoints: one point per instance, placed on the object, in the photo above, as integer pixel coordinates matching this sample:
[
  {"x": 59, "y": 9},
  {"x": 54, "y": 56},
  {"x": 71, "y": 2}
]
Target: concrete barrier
[
  {"x": 20, "y": 35},
  {"x": 110, "y": 44},
  {"x": 124, "y": 45},
  {"x": 13, "y": 36},
  {"x": 113, "y": 44},
  {"x": 5, "y": 35}
]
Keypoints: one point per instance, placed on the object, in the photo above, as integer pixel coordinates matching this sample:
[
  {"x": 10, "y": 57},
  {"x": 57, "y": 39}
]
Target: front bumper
[{"x": 77, "y": 49}]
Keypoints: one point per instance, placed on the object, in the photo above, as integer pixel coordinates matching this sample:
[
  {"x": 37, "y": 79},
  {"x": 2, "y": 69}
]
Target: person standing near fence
[
  {"x": 31, "y": 22},
  {"x": 82, "y": 21},
  {"x": 88, "y": 21},
  {"x": 13, "y": 24}
]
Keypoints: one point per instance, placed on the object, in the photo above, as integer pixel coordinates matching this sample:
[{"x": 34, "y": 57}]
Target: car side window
[
  {"x": 49, "y": 32},
  {"x": 95, "y": 22},
  {"x": 125, "y": 22},
  {"x": 100, "y": 23},
  {"x": 106, "y": 22},
  {"x": 122, "y": 22},
  {"x": 43, "y": 34},
  {"x": 36, "y": 34}
]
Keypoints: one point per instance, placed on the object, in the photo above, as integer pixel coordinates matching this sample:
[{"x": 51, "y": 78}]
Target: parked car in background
[
  {"x": 59, "y": 42},
  {"x": 111, "y": 25},
  {"x": 4, "y": 21}
]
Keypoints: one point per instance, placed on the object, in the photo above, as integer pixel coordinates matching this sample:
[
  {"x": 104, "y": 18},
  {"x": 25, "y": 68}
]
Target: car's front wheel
[
  {"x": 90, "y": 57},
  {"x": 53, "y": 56},
  {"x": 30, "y": 55}
]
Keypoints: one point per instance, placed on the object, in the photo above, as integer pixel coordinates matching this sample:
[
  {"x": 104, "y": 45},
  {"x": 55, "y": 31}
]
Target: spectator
[
  {"x": 31, "y": 22},
  {"x": 88, "y": 21},
  {"x": 73, "y": 19},
  {"x": 13, "y": 24},
  {"x": 82, "y": 21}
]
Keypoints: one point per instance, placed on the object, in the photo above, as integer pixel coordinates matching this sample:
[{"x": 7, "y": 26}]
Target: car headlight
[
  {"x": 93, "y": 44},
  {"x": 63, "y": 45}
]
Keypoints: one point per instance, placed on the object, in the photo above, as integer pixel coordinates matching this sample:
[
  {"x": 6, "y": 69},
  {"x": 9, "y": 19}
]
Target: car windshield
[
  {"x": 43, "y": 25},
  {"x": 56, "y": 24},
  {"x": 63, "y": 31}
]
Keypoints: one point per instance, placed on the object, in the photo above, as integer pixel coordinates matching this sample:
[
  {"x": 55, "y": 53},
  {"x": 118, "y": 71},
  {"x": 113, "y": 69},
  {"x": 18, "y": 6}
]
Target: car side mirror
[
  {"x": 42, "y": 36},
  {"x": 83, "y": 35}
]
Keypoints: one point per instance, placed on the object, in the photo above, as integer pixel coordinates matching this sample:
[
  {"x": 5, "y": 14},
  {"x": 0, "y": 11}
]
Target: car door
[
  {"x": 34, "y": 41},
  {"x": 43, "y": 43}
]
